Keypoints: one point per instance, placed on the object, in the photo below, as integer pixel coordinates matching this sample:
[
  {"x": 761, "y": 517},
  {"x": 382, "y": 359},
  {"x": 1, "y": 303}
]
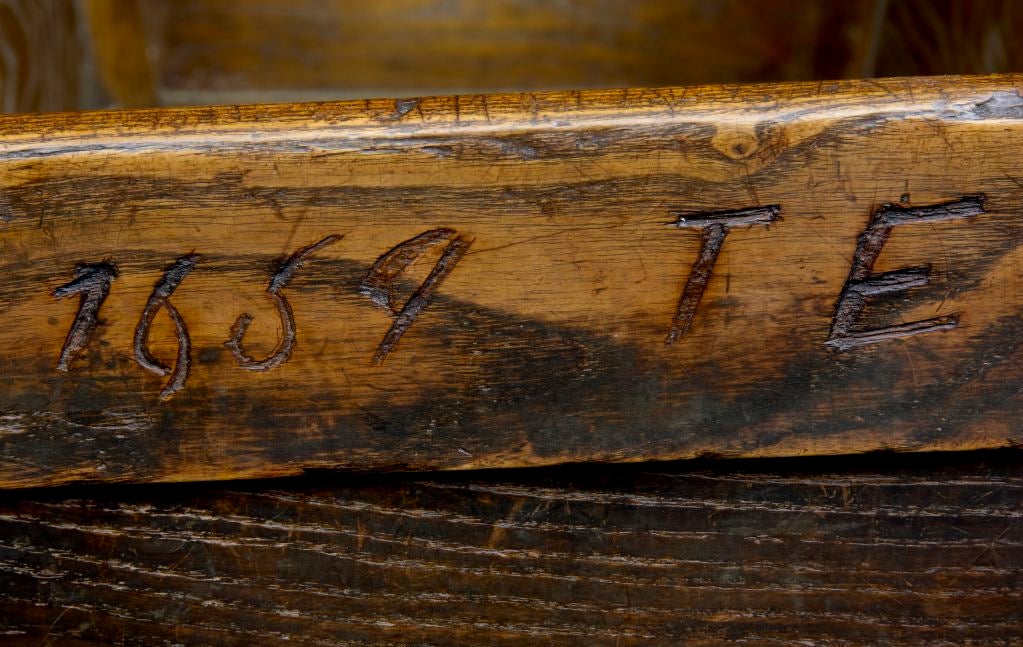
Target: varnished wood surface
[
  {"x": 454, "y": 282},
  {"x": 877, "y": 550}
]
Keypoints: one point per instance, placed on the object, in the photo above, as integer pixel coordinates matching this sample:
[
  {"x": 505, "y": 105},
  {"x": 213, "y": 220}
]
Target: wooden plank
[
  {"x": 890, "y": 550},
  {"x": 456, "y": 282}
]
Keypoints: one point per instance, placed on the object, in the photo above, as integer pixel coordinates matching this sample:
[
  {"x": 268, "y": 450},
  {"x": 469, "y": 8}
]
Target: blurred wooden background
[{"x": 68, "y": 54}]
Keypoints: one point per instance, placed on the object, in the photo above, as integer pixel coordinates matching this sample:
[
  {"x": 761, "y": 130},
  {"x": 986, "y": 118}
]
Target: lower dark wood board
[{"x": 877, "y": 549}]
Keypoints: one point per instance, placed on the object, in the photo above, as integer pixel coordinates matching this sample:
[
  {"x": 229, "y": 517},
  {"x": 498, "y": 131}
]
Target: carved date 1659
[{"x": 92, "y": 284}]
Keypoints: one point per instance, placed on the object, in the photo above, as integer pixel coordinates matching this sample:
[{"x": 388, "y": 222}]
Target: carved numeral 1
[
  {"x": 92, "y": 283},
  {"x": 380, "y": 283},
  {"x": 863, "y": 283},
  {"x": 714, "y": 226}
]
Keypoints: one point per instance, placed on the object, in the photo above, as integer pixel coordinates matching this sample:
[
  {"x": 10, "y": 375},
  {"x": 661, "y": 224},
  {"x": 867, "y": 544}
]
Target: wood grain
[
  {"x": 880, "y": 549},
  {"x": 511, "y": 280}
]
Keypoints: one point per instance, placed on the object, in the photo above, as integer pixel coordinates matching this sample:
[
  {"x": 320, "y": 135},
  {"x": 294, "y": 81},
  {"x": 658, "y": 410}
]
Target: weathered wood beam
[
  {"x": 453, "y": 282},
  {"x": 889, "y": 550}
]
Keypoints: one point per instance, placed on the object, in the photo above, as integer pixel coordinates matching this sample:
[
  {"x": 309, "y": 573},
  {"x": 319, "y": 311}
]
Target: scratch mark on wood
[
  {"x": 404, "y": 106},
  {"x": 92, "y": 283},
  {"x": 160, "y": 298},
  {"x": 278, "y": 282},
  {"x": 714, "y": 227}
]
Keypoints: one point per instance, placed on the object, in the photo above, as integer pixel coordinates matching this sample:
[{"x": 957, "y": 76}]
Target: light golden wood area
[{"x": 519, "y": 279}]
